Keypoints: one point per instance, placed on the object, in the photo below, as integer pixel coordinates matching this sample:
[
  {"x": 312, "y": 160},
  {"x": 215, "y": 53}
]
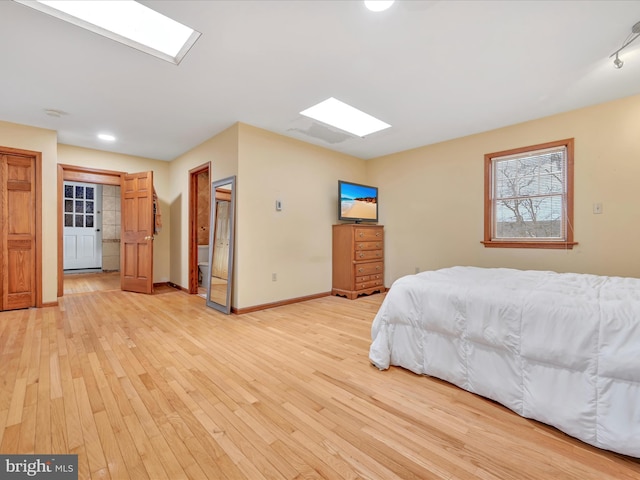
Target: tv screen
[{"x": 358, "y": 203}]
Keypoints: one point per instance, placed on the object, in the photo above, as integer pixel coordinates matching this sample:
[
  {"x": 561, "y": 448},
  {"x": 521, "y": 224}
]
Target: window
[
  {"x": 78, "y": 205},
  {"x": 529, "y": 197}
]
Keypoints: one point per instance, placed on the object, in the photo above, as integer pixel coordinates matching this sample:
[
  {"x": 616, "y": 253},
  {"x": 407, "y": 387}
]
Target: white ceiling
[{"x": 434, "y": 70}]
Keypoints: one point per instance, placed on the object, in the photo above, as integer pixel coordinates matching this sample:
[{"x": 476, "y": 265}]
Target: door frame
[
  {"x": 38, "y": 213},
  {"x": 193, "y": 223},
  {"x": 75, "y": 173}
]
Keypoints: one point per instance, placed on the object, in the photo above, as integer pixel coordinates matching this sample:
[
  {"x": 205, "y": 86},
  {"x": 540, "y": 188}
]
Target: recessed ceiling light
[
  {"x": 52, "y": 112},
  {"x": 125, "y": 21},
  {"x": 345, "y": 117},
  {"x": 378, "y": 5},
  {"x": 106, "y": 137}
]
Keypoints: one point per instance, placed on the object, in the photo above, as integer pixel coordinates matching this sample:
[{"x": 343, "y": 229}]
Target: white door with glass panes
[{"x": 82, "y": 225}]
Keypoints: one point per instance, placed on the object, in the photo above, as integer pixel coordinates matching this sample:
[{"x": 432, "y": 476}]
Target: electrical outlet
[
  {"x": 278, "y": 205},
  {"x": 597, "y": 208},
  {"x": 274, "y": 277}
]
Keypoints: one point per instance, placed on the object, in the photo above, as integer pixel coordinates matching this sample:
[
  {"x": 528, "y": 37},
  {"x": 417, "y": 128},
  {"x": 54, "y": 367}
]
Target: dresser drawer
[
  {"x": 366, "y": 278},
  {"x": 368, "y": 245},
  {"x": 368, "y": 234},
  {"x": 369, "y": 284},
  {"x": 371, "y": 268},
  {"x": 367, "y": 255}
]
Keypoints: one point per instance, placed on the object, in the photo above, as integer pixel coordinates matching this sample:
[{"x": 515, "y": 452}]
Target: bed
[{"x": 560, "y": 348}]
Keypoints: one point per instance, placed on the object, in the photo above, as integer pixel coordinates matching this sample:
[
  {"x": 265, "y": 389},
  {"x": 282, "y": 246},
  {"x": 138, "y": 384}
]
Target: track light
[
  {"x": 617, "y": 62},
  {"x": 635, "y": 33}
]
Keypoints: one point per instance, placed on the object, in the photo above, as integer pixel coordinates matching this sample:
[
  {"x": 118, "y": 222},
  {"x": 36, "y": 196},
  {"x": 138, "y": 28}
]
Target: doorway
[
  {"x": 76, "y": 209},
  {"x": 91, "y": 245},
  {"x": 199, "y": 228},
  {"x": 139, "y": 222},
  {"x": 82, "y": 243},
  {"x": 91, "y": 227}
]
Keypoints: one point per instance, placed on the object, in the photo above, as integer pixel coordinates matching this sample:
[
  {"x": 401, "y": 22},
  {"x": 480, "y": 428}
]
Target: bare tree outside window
[{"x": 529, "y": 196}]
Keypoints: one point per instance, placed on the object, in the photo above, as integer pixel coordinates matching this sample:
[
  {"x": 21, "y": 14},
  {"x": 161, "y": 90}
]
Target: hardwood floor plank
[
  {"x": 109, "y": 442},
  {"x": 11, "y": 439},
  {"x": 57, "y": 427},
  {"x": 43, "y": 412},
  {"x": 71, "y": 415},
  {"x": 90, "y": 437},
  {"x": 14, "y": 416},
  {"x": 27, "y": 442},
  {"x": 3, "y": 423}
]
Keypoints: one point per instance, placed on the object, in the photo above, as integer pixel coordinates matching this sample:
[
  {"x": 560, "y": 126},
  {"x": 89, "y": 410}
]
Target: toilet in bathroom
[{"x": 203, "y": 264}]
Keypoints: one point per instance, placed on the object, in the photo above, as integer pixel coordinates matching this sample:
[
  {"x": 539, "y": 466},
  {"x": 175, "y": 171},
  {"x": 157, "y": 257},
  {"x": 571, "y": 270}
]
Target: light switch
[{"x": 278, "y": 205}]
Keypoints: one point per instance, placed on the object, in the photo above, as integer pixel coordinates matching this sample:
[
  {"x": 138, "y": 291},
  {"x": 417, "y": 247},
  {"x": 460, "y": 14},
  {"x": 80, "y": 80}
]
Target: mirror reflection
[{"x": 221, "y": 244}]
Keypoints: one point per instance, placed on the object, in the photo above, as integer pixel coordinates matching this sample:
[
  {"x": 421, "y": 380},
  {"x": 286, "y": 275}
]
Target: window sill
[{"x": 516, "y": 244}]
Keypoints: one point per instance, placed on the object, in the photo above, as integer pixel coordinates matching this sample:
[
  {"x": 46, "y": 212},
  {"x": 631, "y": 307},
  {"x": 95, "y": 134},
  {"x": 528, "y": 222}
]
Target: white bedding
[{"x": 563, "y": 349}]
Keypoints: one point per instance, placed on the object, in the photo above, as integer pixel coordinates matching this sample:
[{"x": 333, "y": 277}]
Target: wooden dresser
[{"x": 358, "y": 260}]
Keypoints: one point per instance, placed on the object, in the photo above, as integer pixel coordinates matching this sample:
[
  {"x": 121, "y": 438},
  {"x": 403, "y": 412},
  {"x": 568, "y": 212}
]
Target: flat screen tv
[{"x": 358, "y": 203}]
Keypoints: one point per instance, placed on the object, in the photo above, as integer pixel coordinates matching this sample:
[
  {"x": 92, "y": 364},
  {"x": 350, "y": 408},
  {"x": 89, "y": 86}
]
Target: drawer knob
[
  {"x": 361, "y": 254},
  {"x": 377, "y": 267},
  {"x": 361, "y": 270},
  {"x": 377, "y": 234}
]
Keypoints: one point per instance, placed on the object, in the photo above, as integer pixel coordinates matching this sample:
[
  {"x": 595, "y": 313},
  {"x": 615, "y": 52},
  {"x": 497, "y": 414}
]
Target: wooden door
[
  {"x": 18, "y": 250},
  {"x": 137, "y": 220}
]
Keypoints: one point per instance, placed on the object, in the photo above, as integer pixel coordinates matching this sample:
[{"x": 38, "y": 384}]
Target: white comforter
[{"x": 563, "y": 349}]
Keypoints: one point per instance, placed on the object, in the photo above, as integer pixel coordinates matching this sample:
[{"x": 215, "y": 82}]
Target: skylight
[
  {"x": 125, "y": 21},
  {"x": 345, "y": 117}
]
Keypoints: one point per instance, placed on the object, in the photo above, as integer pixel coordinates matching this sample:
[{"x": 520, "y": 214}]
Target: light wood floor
[
  {"x": 91, "y": 282},
  {"x": 161, "y": 387}
]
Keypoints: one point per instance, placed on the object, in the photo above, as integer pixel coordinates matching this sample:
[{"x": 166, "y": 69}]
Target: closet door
[{"x": 18, "y": 252}]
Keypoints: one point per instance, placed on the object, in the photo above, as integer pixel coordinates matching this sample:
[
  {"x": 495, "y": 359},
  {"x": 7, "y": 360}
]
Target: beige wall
[
  {"x": 294, "y": 243},
  {"x": 432, "y": 197},
  {"x": 44, "y": 141},
  {"x": 222, "y": 152},
  {"x": 89, "y": 158}
]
